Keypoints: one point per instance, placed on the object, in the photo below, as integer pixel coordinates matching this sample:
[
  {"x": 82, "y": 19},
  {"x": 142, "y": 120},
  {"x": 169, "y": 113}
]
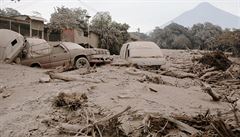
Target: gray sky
[{"x": 143, "y": 14}]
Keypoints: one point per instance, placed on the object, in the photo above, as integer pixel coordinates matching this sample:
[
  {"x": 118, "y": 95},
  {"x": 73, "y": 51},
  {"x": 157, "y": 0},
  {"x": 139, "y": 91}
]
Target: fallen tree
[{"x": 216, "y": 59}]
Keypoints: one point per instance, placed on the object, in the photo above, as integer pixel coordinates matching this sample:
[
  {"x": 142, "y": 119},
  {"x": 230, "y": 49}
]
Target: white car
[
  {"x": 11, "y": 44},
  {"x": 142, "y": 53}
]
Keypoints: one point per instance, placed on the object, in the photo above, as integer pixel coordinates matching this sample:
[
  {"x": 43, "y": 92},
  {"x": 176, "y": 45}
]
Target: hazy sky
[{"x": 143, "y": 14}]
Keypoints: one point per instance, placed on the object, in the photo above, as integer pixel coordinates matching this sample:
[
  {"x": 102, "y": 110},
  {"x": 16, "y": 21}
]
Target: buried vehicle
[
  {"x": 100, "y": 56},
  {"x": 38, "y": 53},
  {"x": 11, "y": 44},
  {"x": 142, "y": 53}
]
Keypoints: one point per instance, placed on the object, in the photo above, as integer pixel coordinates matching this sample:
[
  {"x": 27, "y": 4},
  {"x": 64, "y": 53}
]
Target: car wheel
[{"x": 82, "y": 63}]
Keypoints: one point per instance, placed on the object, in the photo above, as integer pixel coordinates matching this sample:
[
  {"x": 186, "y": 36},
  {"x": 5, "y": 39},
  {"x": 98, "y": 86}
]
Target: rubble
[
  {"x": 160, "y": 104},
  {"x": 216, "y": 59},
  {"x": 2, "y": 89},
  {"x": 72, "y": 101},
  {"x": 84, "y": 120},
  {"x": 152, "y": 79}
]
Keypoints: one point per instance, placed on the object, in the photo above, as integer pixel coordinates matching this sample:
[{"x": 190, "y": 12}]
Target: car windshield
[
  {"x": 145, "y": 53},
  {"x": 37, "y": 47},
  {"x": 71, "y": 45}
]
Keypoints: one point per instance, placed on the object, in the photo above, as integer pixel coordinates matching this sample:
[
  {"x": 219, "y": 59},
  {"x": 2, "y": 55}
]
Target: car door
[{"x": 59, "y": 56}]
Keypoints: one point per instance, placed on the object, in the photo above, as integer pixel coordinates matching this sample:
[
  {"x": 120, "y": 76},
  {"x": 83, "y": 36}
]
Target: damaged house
[
  {"x": 75, "y": 35},
  {"x": 28, "y": 26}
]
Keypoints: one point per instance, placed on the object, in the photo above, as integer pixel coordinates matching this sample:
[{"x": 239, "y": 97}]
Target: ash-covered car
[
  {"x": 142, "y": 53},
  {"x": 100, "y": 56},
  {"x": 38, "y": 53},
  {"x": 11, "y": 44}
]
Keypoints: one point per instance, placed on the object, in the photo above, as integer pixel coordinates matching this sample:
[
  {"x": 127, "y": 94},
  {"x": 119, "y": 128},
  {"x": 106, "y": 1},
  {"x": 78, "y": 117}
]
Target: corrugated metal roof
[{"x": 24, "y": 17}]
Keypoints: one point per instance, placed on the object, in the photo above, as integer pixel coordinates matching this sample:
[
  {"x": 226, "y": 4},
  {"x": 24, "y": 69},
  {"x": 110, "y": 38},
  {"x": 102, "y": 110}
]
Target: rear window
[{"x": 14, "y": 42}]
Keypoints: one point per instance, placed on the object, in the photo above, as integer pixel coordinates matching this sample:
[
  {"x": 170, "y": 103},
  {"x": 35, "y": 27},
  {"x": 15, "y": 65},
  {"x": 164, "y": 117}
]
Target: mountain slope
[{"x": 206, "y": 12}]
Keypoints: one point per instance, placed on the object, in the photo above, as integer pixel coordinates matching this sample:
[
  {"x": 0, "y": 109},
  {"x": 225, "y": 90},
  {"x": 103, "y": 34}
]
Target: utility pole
[{"x": 88, "y": 39}]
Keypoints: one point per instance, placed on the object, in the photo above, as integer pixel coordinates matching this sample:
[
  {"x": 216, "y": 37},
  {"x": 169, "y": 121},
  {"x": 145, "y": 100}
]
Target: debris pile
[
  {"x": 217, "y": 70},
  {"x": 152, "y": 79},
  {"x": 83, "y": 120},
  {"x": 200, "y": 125},
  {"x": 72, "y": 101},
  {"x": 216, "y": 59}
]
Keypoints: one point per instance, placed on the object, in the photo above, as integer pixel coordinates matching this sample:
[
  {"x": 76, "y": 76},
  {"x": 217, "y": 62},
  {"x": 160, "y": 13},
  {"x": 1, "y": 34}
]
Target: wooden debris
[
  {"x": 209, "y": 90},
  {"x": 6, "y": 95},
  {"x": 182, "y": 126},
  {"x": 209, "y": 75},
  {"x": 71, "y": 101},
  {"x": 105, "y": 119},
  {"x": 68, "y": 128},
  {"x": 153, "y": 90},
  {"x": 164, "y": 124},
  {"x": 180, "y": 75},
  {"x": 153, "y": 79},
  {"x": 221, "y": 128},
  {"x": 216, "y": 59},
  {"x": 53, "y": 75}
]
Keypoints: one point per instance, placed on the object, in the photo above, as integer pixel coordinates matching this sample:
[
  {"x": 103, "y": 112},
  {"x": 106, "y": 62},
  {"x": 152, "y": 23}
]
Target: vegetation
[
  {"x": 68, "y": 18},
  {"x": 175, "y": 36},
  {"x": 199, "y": 36},
  {"x": 228, "y": 41},
  {"x": 112, "y": 34},
  {"x": 9, "y": 12}
]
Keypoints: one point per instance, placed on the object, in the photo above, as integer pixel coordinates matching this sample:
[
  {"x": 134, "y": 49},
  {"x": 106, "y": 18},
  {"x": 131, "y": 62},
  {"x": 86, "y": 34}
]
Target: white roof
[
  {"x": 24, "y": 17},
  {"x": 7, "y": 36}
]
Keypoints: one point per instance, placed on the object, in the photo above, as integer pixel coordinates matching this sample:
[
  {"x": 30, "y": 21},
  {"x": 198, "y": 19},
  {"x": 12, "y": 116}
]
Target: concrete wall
[
  {"x": 80, "y": 38},
  {"x": 68, "y": 35},
  {"x": 76, "y": 36},
  {"x": 94, "y": 40}
]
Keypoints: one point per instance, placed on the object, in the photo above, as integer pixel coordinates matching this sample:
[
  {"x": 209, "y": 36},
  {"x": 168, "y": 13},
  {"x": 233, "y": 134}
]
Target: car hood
[
  {"x": 147, "y": 61},
  {"x": 101, "y": 51},
  {"x": 83, "y": 51}
]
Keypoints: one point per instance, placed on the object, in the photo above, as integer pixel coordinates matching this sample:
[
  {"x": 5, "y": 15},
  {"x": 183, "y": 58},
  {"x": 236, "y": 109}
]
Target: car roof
[
  {"x": 71, "y": 45},
  {"x": 7, "y": 36},
  {"x": 142, "y": 45}
]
